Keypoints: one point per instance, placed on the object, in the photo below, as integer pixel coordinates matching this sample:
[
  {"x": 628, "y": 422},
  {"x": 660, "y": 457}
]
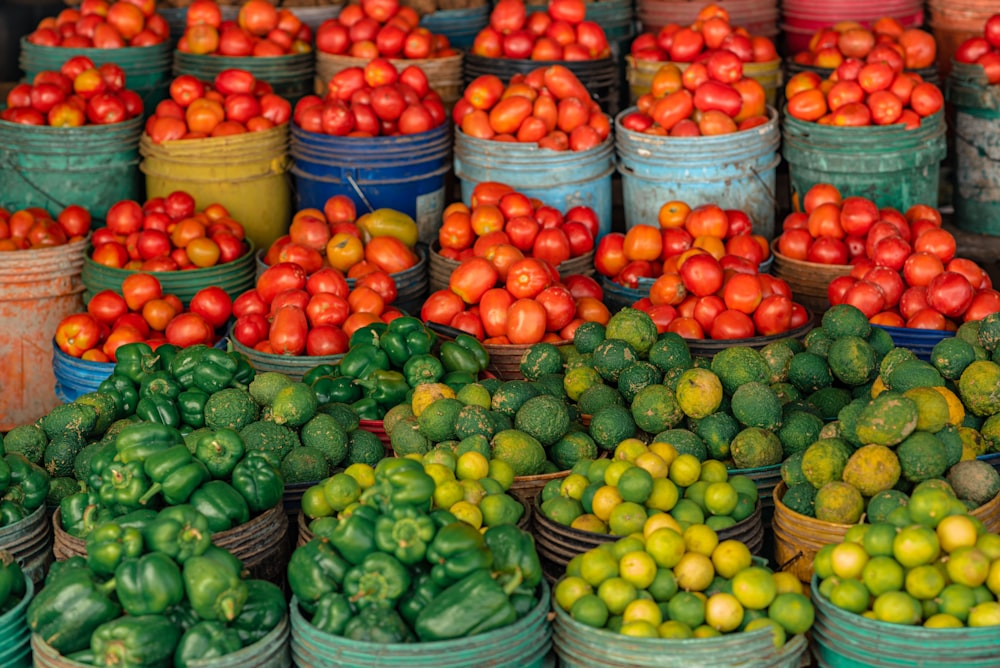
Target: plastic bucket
[
  {"x": 580, "y": 646},
  {"x": 293, "y": 366},
  {"x": 562, "y": 179},
  {"x": 641, "y": 73},
  {"x": 759, "y": 18},
  {"x": 246, "y": 173},
  {"x": 736, "y": 171},
  {"x": 523, "y": 644},
  {"x": 920, "y": 341},
  {"x": 38, "y": 288},
  {"x": 618, "y": 296},
  {"x": 977, "y": 149},
  {"x": 889, "y": 165},
  {"x": 600, "y": 77},
  {"x": 15, "y": 635},
  {"x": 443, "y": 74},
  {"x": 460, "y": 26},
  {"x": 406, "y": 172},
  {"x": 234, "y": 277},
  {"x": 845, "y": 640},
  {"x": 147, "y": 68},
  {"x": 30, "y": 541},
  {"x": 75, "y": 377},
  {"x": 92, "y": 165},
  {"x": 953, "y": 22},
  {"x": 291, "y": 76}
]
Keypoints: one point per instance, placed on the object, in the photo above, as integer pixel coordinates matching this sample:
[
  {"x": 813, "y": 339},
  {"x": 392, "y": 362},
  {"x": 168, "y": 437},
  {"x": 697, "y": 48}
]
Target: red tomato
[
  {"x": 468, "y": 322},
  {"x": 702, "y": 274},
  {"x": 107, "y": 306},
  {"x": 188, "y": 329},
  {"x": 493, "y": 308},
  {"x": 795, "y": 243},
  {"x": 551, "y": 245},
  {"x": 139, "y": 289},
  {"x": 251, "y": 329},
  {"x": 705, "y": 310},
  {"x": 526, "y": 322},
  {"x": 280, "y": 277},
  {"x": 289, "y": 328},
  {"x": 827, "y": 250},
  {"x": 583, "y": 286},
  {"x": 742, "y": 292},
  {"x": 913, "y": 300},
  {"x": 472, "y": 278},
  {"x": 249, "y": 302},
  {"x": 866, "y": 296},
  {"x": 921, "y": 268},
  {"x": 891, "y": 252},
  {"x": 732, "y": 325},
  {"x": 950, "y": 293},
  {"x": 890, "y": 281},
  {"x": 527, "y": 277},
  {"x": 78, "y": 333},
  {"x": 325, "y": 308},
  {"x": 983, "y": 304},
  {"x": 773, "y": 315},
  {"x": 629, "y": 276},
  {"x": 326, "y": 340},
  {"x": 441, "y": 307},
  {"x": 559, "y": 305},
  {"x": 213, "y": 304},
  {"x": 328, "y": 280},
  {"x": 579, "y": 236}
]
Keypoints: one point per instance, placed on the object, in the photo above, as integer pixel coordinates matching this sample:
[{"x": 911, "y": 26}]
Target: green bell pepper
[
  {"x": 220, "y": 451},
  {"x": 259, "y": 482},
  {"x": 4, "y": 475},
  {"x": 324, "y": 526},
  {"x": 363, "y": 359},
  {"x": 135, "y": 360},
  {"x": 175, "y": 474},
  {"x": 227, "y": 559},
  {"x": 456, "y": 551},
  {"x": 465, "y": 353},
  {"x": 421, "y": 369},
  {"x": 78, "y": 513},
  {"x": 215, "y": 590},
  {"x": 403, "y": 482},
  {"x": 244, "y": 373},
  {"x": 456, "y": 380},
  {"x": 123, "y": 389},
  {"x": 137, "y": 519},
  {"x": 158, "y": 409},
  {"x": 159, "y": 384},
  {"x": 422, "y": 592},
  {"x": 263, "y": 610},
  {"x": 148, "y": 585},
  {"x": 215, "y": 371},
  {"x": 204, "y": 641},
  {"x": 378, "y": 625},
  {"x": 109, "y": 544},
  {"x": 368, "y": 409},
  {"x": 474, "y": 346},
  {"x": 60, "y": 568},
  {"x": 369, "y": 334},
  {"x": 191, "y": 407},
  {"x": 337, "y": 389},
  {"x": 179, "y": 531},
  {"x": 319, "y": 371},
  {"x": 184, "y": 363},
  {"x": 146, "y": 641},
  {"x": 122, "y": 485},
  {"x": 514, "y": 553},
  {"x": 138, "y": 441},
  {"x": 182, "y": 616},
  {"x": 405, "y": 533},
  {"x": 222, "y": 506},
  {"x": 406, "y": 339},
  {"x": 354, "y": 538},
  {"x": 165, "y": 352},
  {"x": 11, "y": 513},
  {"x": 11, "y": 578},
  {"x": 314, "y": 569},
  {"x": 379, "y": 580},
  {"x": 388, "y": 388},
  {"x": 333, "y": 611},
  {"x": 102, "y": 457},
  {"x": 29, "y": 483},
  {"x": 69, "y": 608},
  {"x": 450, "y": 615}
]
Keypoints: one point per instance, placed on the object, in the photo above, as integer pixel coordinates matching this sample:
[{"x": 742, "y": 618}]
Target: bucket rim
[
  {"x": 533, "y": 150},
  {"x": 99, "y": 131},
  {"x": 213, "y": 142},
  {"x": 88, "y": 50},
  {"x": 623, "y": 135}
]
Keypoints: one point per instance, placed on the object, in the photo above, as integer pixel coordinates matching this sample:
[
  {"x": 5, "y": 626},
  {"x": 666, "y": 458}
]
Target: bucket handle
[
  {"x": 9, "y": 164},
  {"x": 359, "y": 192},
  {"x": 800, "y": 555}
]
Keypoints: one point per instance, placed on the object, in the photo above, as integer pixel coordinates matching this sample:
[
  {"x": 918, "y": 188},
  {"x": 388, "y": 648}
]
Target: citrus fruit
[
  {"x": 754, "y": 587},
  {"x": 730, "y": 557}
]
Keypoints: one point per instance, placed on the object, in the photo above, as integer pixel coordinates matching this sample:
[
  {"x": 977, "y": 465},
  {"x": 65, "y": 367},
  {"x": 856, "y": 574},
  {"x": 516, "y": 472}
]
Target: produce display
[
  {"x": 99, "y": 24},
  {"x": 260, "y": 30},
  {"x": 376, "y": 100},
  {"x": 24, "y": 487},
  {"x": 234, "y": 103},
  {"x": 926, "y": 565},
  {"x": 393, "y": 570},
  {"x": 36, "y": 228},
  {"x": 167, "y": 234},
  {"x": 887, "y": 40},
  {"x": 153, "y": 591},
  {"x": 560, "y": 33},
  {"x": 502, "y": 221},
  {"x": 78, "y": 94},
  {"x": 548, "y": 106},
  {"x": 711, "y": 97},
  {"x": 380, "y": 29},
  {"x": 12, "y": 586},
  {"x": 984, "y": 50},
  {"x": 711, "y": 32}
]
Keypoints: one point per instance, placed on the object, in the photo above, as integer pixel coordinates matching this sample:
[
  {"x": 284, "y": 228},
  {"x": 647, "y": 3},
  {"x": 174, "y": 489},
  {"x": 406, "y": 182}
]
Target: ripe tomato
[
  {"x": 795, "y": 243},
  {"x": 527, "y": 277},
  {"x": 213, "y": 304},
  {"x": 526, "y": 322},
  {"x": 158, "y": 313},
  {"x": 107, "y": 306},
  {"x": 78, "y": 333},
  {"x": 559, "y": 305},
  {"x": 441, "y": 307},
  {"x": 742, "y": 292},
  {"x": 866, "y": 296},
  {"x": 493, "y": 308},
  {"x": 288, "y": 332},
  {"x": 950, "y": 293},
  {"x": 827, "y": 250},
  {"x": 592, "y": 310},
  {"x": 890, "y": 281},
  {"x": 609, "y": 258},
  {"x": 249, "y": 302},
  {"x": 251, "y": 329},
  {"x": 704, "y": 310},
  {"x": 326, "y": 340},
  {"x": 891, "y": 252},
  {"x": 702, "y": 274},
  {"x": 139, "y": 288},
  {"x": 278, "y": 278},
  {"x": 667, "y": 289},
  {"x": 472, "y": 279},
  {"x": 188, "y": 329},
  {"x": 985, "y": 302},
  {"x": 921, "y": 268},
  {"x": 552, "y": 246},
  {"x": 583, "y": 286},
  {"x": 773, "y": 315},
  {"x": 732, "y": 325},
  {"x": 324, "y": 308},
  {"x": 643, "y": 242}
]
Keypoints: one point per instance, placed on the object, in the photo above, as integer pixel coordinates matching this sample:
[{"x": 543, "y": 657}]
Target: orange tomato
[
  {"x": 344, "y": 251},
  {"x": 643, "y": 242}
]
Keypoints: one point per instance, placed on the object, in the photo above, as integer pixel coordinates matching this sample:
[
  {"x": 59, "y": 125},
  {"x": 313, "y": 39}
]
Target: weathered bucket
[
  {"x": 523, "y": 644},
  {"x": 30, "y": 541},
  {"x": 45, "y": 285},
  {"x": 890, "y": 165},
  {"x": 618, "y": 296},
  {"x": 736, "y": 171},
  {"x": 953, "y": 22},
  {"x": 405, "y": 172},
  {"x": 443, "y": 74},
  {"x": 15, "y": 635},
  {"x": 290, "y": 76},
  {"x": 505, "y": 359},
  {"x": 246, "y": 173},
  {"x": 845, "y": 640},
  {"x": 147, "y": 68},
  {"x": 460, "y": 26},
  {"x": 92, "y": 166},
  {"x": 977, "y": 149},
  {"x": 562, "y": 179},
  {"x": 580, "y": 646},
  {"x": 802, "y": 18},
  {"x": 797, "y": 537},
  {"x": 528, "y": 487},
  {"x": 641, "y": 73}
]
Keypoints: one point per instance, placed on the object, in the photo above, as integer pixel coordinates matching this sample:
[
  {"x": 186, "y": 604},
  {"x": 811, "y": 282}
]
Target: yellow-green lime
[
  {"x": 665, "y": 451},
  {"x": 502, "y": 472},
  {"x": 473, "y": 491},
  {"x": 822, "y": 562},
  {"x": 897, "y": 607},
  {"x": 472, "y": 466},
  {"x": 653, "y": 464},
  {"x": 766, "y": 623},
  {"x": 643, "y": 610},
  {"x": 615, "y": 470},
  {"x": 968, "y": 566},
  {"x": 639, "y": 629},
  {"x": 666, "y": 546},
  {"x": 943, "y": 621},
  {"x": 696, "y": 493},
  {"x": 956, "y": 600},
  {"x": 915, "y": 545},
  {"x": 705, "y": 631},
  {"x": 664, "y": 495},
  {"x": 664, "y": 585},
  {"x": 314, "y": 503},
  {"x": 443, "y": 456},
  {"x": 589, "y": 609},
  {"x": 787, "y": 582},
  {"x": 629, "y": 449},
  {"x": 745, "y": 485},
  {"x": 694, "y": 572},
  {"x": 712, "y": 470},
  {"x": 687, "y": 511},
  {"x": 685, "y": 470},
  {"x": 635, "y": 485},
  {"x": 439, "y": 472},
  {"x": 754, "y": 587},
  {"x": 850, "y": 595},
  {"x": 598, "y": 565},
  {"x": 989, "y": 543},
  {"x": 687, "y": 608},
  {"x": 340, "y": 491},
  {"x": 985, "y": 614},
  {"x": 956, "y": 531},
  {"x": 657, "y": 521},
  {"x": 474, "y": 394},
  {"x": 574, "y": 485},
  {"x": 626, "y": 545},
  {"x": 723, "y": 612},
  {"x": 589, "y": 522},
  {"x": 639, "y": 568},
  {"x": 605, "y": 500},
  {"x": 363, "y": 473},
  {"x": 627, "y": 517},
  {"x": 674, "y": 630},
  {"x": 699, "y": 392},
  {"x": 468, "y": 513},
  {"x": 617, "y": 593},
  {"x": 877, "y": 541},
  {"x": 848, "y": 560},
  {"x": 595, "y": 473},
  {"x": 701, "y": 539},
  {"x": 569, "y": 589},
  {"x": 721, "y": 498},
  {"x": 883, "y": 574},
  {"x": 730, "y": 557},
  {"x": 794, "y": 612},
  {"x": 448, "y": 494}
]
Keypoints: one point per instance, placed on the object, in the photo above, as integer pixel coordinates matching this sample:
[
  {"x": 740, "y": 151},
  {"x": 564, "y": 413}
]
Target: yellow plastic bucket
[
  {"x": 246, "y": 173},
  {"x": 640, "y": 75}
]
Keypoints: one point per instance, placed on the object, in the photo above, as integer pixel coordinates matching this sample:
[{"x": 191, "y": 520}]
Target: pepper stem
[{"x": 153, "y": 490}]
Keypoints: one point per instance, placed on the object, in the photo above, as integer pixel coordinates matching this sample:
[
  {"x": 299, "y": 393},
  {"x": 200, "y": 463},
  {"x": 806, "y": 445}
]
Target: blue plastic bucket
[
  {"x": 562, "y": 179},
  {"x": 618, "y": 296},
  {"x": 76, "y": 377},
  {"x": 406, "y": 172},
  {"x": 735, "y": 171},
  {"x": 460, "y": 26},
  {"x": 15, "y": 634},
  {"x": 920, "y": 341}
]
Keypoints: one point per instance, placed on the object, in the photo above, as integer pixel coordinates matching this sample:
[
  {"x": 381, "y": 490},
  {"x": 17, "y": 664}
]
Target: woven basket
[{"x": 808, "y": 280}]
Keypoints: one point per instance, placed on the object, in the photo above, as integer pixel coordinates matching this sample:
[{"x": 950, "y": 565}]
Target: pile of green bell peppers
[{"x": 23, "y": 487}]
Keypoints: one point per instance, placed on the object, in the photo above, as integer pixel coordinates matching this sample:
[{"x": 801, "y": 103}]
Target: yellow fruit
[
  {"x": 468, "y": 513},
  {"x": 754, "y": 588},
  {"x": 694, "y": 572},
  {"x": 701, "y": 539},
  {"x": 502, "y": 472},
  {"x": 573, "y": 486},
  {"x": 598, "y": 565},
  {"x": 427, "y": 393},
  {"x": 363, "y": 473},
  {"x": 730, "y": 557},
  {"x": 629, "y": 449},
  {"x": 653, "y": 464},
  {"x": 956, "y": 531},
  {"x": 589, "y": 523},
  {"x": 617, "y": 593},
  {"x": 660, "y": 521},
  {"x": 569, "y": 589},
  {"x": 666, "y": 546},
  {"x": 699, "y": 393},
  {"x": 643, "y": 610},
  {"x": 605, "y": 500},
  {"x": 956, "y": 410},
  {"x": 723, "y": 612},
  {"x": 664, "y": 495},
  {"x": 665, "y": 451},
  {"x": 448, "y": 494},
  {"x": 685, "y": 470},
  {"x": 637, "y": 567},
  {"x": 439, "y": 472}
]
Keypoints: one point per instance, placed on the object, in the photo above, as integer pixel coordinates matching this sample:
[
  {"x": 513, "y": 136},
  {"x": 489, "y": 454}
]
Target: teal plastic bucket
[
  {"x": 845, "y": 640},
  {"x": 93, "y": 166},
  {"x": 976, "y": 195},
  {"x": 523, "y": 644},
  {"x": 234, "y": 277},
  {"x": 291, "y": 76},
  {"x": 15, "y": 635},
  {"x": 147, "y": 68},
  {"x": 460, "y": 26},
  {"x": 562, "y": 179},
  {"x": 580, "y": 646},
  {"x": 888, "y": 164},
  {"x": 30, "y": 541},
  {"x": 405, "y": 172},
  {"x": 735, "y": 171}
]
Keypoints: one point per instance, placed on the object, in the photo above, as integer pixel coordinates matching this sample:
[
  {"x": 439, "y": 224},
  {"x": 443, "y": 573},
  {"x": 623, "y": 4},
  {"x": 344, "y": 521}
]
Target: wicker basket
[
  {"x": 505, "y": 359},
  {"x": 444, "y": 74},
  {"x": 808, "y": 280}
]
